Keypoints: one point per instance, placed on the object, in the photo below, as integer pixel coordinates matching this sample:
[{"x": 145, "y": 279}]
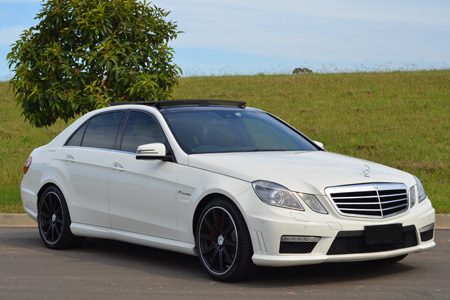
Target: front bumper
[
  {"x": 335, "y": 238},
  {"x": 310, "y": 259}
]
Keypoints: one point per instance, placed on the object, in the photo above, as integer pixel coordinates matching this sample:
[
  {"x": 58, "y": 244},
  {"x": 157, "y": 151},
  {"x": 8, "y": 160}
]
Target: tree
[
  {"x": 84, "y": 54},
  {"x": 301, "y": 71}
]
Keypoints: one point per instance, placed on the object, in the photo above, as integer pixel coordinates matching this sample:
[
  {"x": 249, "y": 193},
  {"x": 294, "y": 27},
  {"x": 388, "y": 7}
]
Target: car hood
[{"x": 307, "y": 172}]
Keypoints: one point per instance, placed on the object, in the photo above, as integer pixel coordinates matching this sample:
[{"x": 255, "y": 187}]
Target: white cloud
[
  {"x": 432, "y": 12},
  {"x": 316, "y": 30},
  {"x": 252, "y": 33}
]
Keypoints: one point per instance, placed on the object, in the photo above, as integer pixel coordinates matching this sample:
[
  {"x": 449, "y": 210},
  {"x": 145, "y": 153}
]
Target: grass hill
[{"x": 400, "y": 119}]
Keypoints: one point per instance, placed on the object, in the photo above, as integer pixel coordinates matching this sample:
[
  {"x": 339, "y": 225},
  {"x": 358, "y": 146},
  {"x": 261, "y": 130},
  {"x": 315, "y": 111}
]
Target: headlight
[
  {"x": 412, "y": 196},
  {"x": 275, "y": 194},
  {"x": 313, "y": 203},
  {"x": 420, "y": 190}
]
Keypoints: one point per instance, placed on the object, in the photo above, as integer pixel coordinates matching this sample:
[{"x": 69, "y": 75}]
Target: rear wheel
[
  {"x": 54, "y": 221},
  {"x": 223, "y": 242}
]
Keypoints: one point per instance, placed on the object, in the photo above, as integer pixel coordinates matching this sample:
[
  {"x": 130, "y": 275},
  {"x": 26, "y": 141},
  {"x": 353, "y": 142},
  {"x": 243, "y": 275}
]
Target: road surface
[{"x": 104, "y": 269}]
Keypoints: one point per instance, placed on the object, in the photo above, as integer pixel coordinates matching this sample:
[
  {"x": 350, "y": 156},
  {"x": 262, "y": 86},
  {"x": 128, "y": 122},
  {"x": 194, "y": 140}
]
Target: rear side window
[
  {"x": 101, "y": 131},
  {"x": 77, "y": 137},
  {"x": 140, "y": 129}
]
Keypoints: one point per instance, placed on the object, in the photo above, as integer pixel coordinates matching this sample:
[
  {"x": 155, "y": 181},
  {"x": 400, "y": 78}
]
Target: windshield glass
[{"x": 229, "y": 130}]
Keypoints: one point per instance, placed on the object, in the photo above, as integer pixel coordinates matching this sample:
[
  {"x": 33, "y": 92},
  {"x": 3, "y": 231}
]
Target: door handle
[
  {"x": 70, "y": 159},
  {"x": 117, "y": 167}
]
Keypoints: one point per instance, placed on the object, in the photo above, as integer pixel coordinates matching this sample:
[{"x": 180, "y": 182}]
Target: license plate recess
[{"x": 383, "y": 234}]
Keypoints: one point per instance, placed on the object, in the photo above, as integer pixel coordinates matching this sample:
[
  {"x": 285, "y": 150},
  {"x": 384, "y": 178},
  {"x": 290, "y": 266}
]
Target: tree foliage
[{"x": 84, "y": 54}]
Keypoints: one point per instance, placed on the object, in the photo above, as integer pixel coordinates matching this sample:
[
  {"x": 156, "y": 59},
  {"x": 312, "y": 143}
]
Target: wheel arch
[
  {"x": 43, "y": 188},
  {"x": 63, "y": 191},
  {"x": 240, "y": 265},
  {"x": 201, "y": 205},
  {"x": 49, "y": 227}
]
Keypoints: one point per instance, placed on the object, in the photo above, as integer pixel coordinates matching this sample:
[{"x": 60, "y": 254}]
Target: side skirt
[{"x": 131, "y": 237}]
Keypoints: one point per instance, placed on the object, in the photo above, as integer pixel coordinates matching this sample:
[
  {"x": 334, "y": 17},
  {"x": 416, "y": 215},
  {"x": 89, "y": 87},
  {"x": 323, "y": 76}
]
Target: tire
[
  {"x": 223, "y": 242},
  {"x": 54, "y": 221}
]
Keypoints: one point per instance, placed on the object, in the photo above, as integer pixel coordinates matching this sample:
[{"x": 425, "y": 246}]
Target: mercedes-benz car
[{"x": 235, "y": 186}]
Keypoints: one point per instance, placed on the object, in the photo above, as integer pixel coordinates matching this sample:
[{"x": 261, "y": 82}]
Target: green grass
[
  {"x": 17, "y": 140},
  {"x": 400, "y": 119}
]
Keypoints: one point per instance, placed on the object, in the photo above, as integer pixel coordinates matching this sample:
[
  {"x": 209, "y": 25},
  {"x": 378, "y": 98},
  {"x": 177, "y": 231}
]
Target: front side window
[
  {"x": 209, "y": 131},
  {"x": 140, "y": 129},
  {"x": 101, "y": 131}
]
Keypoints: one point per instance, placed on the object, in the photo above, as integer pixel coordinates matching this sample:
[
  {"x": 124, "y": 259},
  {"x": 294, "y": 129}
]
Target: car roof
[{"x": 187, "y": 103}]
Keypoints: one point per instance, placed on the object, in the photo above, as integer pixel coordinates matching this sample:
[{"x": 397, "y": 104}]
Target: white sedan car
[{"x": 235, "y": 186}]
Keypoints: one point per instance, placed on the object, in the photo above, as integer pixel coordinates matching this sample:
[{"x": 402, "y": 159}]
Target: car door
[
  {"x": 142, "y": 192},
  {"x": 84, "y": 161}
]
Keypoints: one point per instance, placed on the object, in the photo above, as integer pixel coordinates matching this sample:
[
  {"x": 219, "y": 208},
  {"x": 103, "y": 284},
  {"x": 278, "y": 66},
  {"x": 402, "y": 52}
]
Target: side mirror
[
  {"x": 153, "y": 151},
  {"x": 319, "y": 144}
]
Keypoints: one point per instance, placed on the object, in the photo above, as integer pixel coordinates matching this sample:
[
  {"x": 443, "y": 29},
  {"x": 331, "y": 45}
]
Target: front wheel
[
  {"x": 54, "y": 221},
  {"x": 223, "y": 242}
]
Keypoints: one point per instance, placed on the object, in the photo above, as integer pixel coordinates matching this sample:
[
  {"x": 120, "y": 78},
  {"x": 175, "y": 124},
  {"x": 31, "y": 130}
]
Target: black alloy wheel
[
  {"x": 223, "y": 242},
  {"x": 218, "y": 240},
  {"x": 54, "y": 221},
  {"x": 51, "y": 217}
]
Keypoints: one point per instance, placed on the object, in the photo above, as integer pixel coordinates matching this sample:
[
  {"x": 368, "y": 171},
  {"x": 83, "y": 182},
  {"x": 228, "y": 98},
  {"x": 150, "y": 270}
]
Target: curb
[
  {"x": 443, "y": 221},
  {"x": 16, "y": 220},
  {"x": 23, "y": 220}
]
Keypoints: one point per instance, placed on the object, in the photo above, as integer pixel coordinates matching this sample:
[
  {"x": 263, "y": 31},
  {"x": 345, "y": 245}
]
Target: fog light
[
  {"x": 300, "y": 239},
  {"x": 297, "y": 244},
  {"x": 427, "y": 233},
  {"x": 427, "y": 228}
]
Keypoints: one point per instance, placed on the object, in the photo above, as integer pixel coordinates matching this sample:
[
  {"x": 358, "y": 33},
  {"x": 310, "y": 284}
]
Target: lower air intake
[{"x": 353, "y": 242}]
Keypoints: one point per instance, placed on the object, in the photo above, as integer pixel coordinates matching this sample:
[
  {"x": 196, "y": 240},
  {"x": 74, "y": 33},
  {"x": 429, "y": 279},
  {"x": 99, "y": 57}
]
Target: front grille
[
  {"x": 378, "y": 200},
  {"x": 297, "y": 247},
  {"x": 353, "y": 242}
]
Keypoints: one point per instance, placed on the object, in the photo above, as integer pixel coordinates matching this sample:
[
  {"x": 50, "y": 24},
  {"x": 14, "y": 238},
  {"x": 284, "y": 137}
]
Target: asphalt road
[{"x": 113, "y": 270}]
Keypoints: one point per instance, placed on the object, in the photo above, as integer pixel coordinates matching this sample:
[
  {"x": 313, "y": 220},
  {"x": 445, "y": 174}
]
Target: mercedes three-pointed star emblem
[{"x": 366, "y": 170}]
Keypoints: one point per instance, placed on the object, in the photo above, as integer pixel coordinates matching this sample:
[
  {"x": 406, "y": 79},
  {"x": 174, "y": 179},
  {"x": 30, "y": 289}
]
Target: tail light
[{"x": 27, "y": 165}]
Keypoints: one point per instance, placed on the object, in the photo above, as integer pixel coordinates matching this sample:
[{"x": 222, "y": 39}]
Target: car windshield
[{"x": 229, "y": 130}]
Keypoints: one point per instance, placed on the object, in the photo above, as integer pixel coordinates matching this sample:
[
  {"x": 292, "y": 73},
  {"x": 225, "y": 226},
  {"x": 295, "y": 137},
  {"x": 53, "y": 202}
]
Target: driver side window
[{"x": 140, "y": 129}]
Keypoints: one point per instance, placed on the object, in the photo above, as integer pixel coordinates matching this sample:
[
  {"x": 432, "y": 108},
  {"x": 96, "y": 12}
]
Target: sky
[{"x": 236, "y": 37}]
